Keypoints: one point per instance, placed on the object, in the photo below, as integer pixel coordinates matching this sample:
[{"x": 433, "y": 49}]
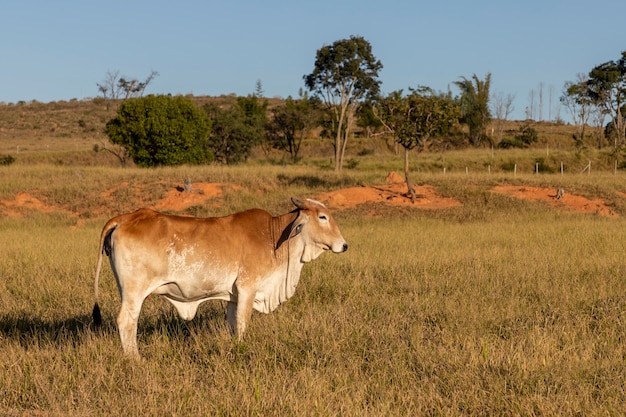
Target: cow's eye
[{"x": 322, "y": 217}]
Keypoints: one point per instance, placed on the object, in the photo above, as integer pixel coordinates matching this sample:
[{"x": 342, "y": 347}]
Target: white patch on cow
[{"x": 180, "y": 265}]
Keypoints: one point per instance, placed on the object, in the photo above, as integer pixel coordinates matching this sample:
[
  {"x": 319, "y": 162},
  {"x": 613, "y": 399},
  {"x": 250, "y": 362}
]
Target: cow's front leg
[{"x": 238, "y": 314}]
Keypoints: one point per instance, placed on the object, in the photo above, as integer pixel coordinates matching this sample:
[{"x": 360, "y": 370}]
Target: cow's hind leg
[
  {"x": 127, "y": 325},
  {"x": 231, "y": 316}
]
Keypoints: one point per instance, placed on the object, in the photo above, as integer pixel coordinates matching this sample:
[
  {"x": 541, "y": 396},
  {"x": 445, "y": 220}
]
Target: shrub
[
  {"x": 6, "y": 159},
  {"x": 525, "y": 135},
  {"x": 161, "y": 130},
  {"x": 543, "y": 167}
]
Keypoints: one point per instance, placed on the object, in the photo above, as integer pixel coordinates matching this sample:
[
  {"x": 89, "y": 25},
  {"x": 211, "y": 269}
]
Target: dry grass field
[
  {"x": 498, "y": 306},
  {"x": 505, "y": 303}
]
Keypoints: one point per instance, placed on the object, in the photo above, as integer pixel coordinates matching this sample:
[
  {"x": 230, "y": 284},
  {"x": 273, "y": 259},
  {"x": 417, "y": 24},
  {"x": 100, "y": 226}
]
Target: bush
[
  {"x": 508, "y": 143},
  {"x": 525, "y": 135},
  {"x": 6, "y": 159},
  {"x": 161, "y": 130},
  {"x": 543, "y": 167}
]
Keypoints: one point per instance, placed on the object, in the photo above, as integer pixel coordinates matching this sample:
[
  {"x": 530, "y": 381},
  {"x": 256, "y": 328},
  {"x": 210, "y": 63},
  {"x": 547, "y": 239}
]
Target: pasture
[{"x": 499, "y": 306}]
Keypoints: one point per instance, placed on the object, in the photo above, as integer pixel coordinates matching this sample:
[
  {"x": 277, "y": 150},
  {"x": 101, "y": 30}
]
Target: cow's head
[{"x": 317, "y": 229}]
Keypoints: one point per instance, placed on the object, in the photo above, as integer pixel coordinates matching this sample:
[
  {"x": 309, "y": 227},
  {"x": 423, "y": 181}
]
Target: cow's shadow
[
  {"x": 209, "y": 321},
  {"x": 30, "y": 330}
]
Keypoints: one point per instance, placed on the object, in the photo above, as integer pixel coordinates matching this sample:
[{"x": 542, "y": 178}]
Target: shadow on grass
[
  {"x": 30, "y": 331},
  {"x": 207, "y": 321},
  {"x": 33, "y": 331},
  {"x": 314, "y": 181}
]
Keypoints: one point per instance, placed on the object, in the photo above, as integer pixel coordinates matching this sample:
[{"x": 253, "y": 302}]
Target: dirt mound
[
  {"x": 178, "y": 199},
  {"x": 24, "y": 202},
  {"x": 569, "y": 202},
  {"x": 394, "y": 193}
]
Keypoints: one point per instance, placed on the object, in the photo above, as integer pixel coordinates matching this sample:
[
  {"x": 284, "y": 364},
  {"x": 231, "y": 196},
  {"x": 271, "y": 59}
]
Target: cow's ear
[
  {"x": 299, "y": 203},
  {"x": 297, "y": 225}
]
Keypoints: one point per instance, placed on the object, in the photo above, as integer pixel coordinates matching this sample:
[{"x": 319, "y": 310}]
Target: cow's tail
[{"x": 105, "y": 247}]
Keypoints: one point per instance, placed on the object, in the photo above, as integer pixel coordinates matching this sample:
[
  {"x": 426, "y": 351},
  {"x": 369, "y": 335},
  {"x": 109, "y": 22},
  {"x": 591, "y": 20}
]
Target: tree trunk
[
  {"x": 410, "y": 190},
  {"x": 338, "y": 152},
  {"x": 339, "y": 144}
]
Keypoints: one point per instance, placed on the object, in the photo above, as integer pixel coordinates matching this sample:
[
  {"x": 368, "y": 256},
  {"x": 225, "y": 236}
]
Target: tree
[
  {"x": 502, "y": 109},
  {"x": 115, "y": 87},
  {"x": 161, "y": 130},
  {"x": 415, "y": 118},
  {"x": 253, "y": 113},
  {"x": 475, "y": 106},
  {"x": 577, "y": 99},
  {"x": 345, "y": 73},
  {"x": 607, "y": 86},
  {"x": 367, "y": 120},
  {"x": 290, "y": 123},
  {"x": 120, "y": 152},
  {"x": 108, "y": 87},
  {"x": 230, "y": 139}
]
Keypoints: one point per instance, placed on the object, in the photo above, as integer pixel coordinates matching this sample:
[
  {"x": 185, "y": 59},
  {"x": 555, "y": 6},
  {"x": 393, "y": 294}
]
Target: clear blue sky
[{"x": 59, "y": 50}]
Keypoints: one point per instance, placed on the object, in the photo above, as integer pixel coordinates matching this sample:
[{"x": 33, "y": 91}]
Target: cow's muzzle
[{"x": 340, "y": 248}]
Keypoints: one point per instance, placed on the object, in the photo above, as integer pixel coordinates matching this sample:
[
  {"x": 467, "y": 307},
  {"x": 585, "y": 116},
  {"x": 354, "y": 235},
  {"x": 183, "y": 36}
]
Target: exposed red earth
[{"x": 393, "y": 192}]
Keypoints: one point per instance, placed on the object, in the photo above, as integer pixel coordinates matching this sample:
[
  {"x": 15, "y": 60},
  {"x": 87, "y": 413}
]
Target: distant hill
[{"x": 78, "y": 125}]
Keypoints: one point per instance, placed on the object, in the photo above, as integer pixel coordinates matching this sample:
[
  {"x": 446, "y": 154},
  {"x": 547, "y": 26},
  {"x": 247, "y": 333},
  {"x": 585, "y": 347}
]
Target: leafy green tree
[
  {"x": 231, "y": 139},
  {"x": 253, "y": 114},
  {"x": 416, "y": 117},
  {"x": 161, "y": 130},
  {"x": 475, "y": 106},
  {"x": 607, "y": 86},
  {"x": 290, "y": 123},
  {"x": 345, "y": 73},
  {"x": 367, "y": 120}
]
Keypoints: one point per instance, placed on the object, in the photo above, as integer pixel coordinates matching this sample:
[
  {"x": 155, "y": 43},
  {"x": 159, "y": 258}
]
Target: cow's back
[{"x": 232, "y": 238}]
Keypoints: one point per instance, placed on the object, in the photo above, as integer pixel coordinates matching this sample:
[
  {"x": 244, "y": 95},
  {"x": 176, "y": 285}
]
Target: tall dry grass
[{"x": 499, "y": 307}]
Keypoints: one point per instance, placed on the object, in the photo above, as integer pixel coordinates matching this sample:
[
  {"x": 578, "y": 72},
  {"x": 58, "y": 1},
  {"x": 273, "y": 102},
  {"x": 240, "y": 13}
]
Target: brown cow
[{"x": 250, "y": 259}]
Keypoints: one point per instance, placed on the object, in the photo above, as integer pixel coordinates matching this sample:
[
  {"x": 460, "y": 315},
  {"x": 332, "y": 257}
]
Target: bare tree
[
  {"x": 541, "y": 101},
  {"x": 550, "y": 94},
  {"x": 134, "y": 87},
  {"x": 120, "y": 152},
  {"x": 109, "y": 87},
  {"x": 114, "y": 87},
  {"x": 530, "y": 110},
  {"x": 502, "y": 108}
]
